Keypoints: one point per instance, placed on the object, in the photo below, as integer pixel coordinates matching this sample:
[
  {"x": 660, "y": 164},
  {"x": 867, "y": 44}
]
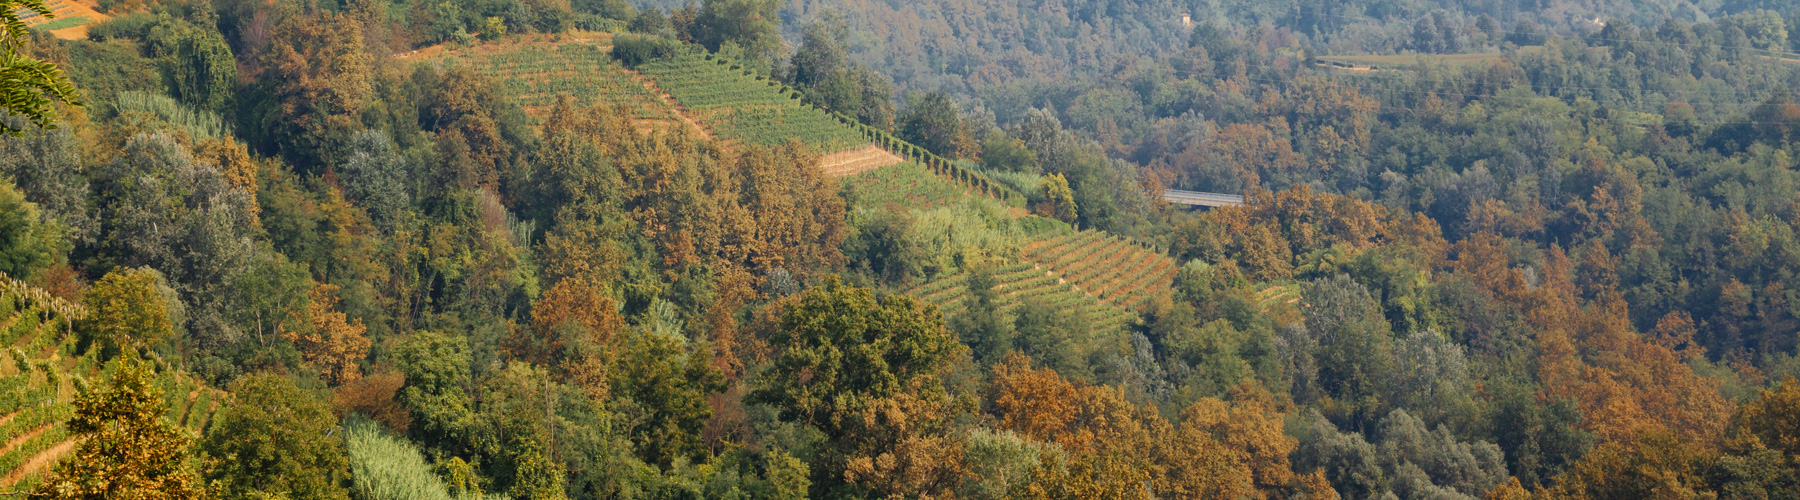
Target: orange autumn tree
[
  {"x": 573, "y": 331},
  {"x": 1222, "y": 449},
  {"x": 1233, "y": 449},
  {"x": 1624, "y": 384},
  {"x": 328, "y": 339},
  {"x": 1266, "y": 234}
]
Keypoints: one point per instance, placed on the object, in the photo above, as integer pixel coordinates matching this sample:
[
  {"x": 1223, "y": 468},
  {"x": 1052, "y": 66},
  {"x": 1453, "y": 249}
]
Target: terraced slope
[
  {"x": 540, "y": 69},
  {"x": 1019, "y": 282},
  {"x": 1115, "y": 270},
  {"x": 37, "y": 384},
  {"x": 738, "y": 105}
]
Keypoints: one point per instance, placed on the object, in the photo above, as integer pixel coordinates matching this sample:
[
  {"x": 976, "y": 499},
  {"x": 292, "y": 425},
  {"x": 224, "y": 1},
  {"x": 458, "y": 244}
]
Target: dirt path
[
  {"x": 38, "y": 462},
  {"x": 22, "y": 438},
  {"x": 669, "y": 100},
  {"x": 856, "y": 161}
]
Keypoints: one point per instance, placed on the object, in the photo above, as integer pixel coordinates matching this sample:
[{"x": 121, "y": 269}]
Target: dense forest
[{"x": 546, "y": 249}]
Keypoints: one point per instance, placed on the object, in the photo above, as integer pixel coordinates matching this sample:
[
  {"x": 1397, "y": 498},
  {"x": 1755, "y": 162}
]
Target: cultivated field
[
  {"x": 540, "y": 71},
  {"x": 1113, "y": 269},
  {"x": 907, "y": 184},
  {"x": 39, "y": 380},
  {"x": 1018, "y": 283},
  {"x": 739, "y": 106}
]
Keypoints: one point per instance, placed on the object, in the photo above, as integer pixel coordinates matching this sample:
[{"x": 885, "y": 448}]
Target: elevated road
[{"x": 1199, "y": 199}]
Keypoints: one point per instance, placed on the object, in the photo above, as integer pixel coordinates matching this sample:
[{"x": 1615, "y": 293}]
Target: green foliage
[
  {"x": 200, "y": 66},
  {"x": 384, "y": 467},
  {"x": 275, "y": 440},
  {"x": 436, "y": 366},
  {"x": 28, "y": 86},
  {"x": 664, "y": 383},
  {"x": 125, "y": 445},
  {"x": 28, "y": 243},
  {"x": 159, "y": 208},
  {"x": 46, "y": 167},
  {"x": 128, "y": 311},
  {"x": 933, "y": 122},
  {"x": 1059, "y": 198},
  {"x": 752, "y": 25},
  {"x": 841, "y": 349},
  {"x": 196, "y": 124},
  {"x": 635, "y": 50}
]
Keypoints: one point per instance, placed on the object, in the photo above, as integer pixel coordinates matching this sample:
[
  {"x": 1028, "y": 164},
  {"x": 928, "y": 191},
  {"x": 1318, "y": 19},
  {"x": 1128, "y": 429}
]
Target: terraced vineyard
[
  {"x": 38, "y": 384},
  {"x": 1020, "y": 282},
  {"x": 538, "y": 73},
  {"x": 751, "y": 109},
  {"x": 1113, "y": 269}
]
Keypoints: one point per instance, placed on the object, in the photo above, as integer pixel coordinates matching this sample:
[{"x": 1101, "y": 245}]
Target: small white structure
[{"x": 1186, "y": 20}]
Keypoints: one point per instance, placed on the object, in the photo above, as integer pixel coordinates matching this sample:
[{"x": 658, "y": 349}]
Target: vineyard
[
  {"x": 1114, "y": 270},
  {"x": 856, "y": 161},
  {"x": 40, "y": 379},
  {"x": 907, "y": 184},
  {"x": 740, "y": 106},
  {"x": 1018, "y": 283},
  {"x": 539, "y": 73}
]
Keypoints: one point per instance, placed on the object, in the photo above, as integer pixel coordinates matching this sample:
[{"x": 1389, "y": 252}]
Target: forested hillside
[{"x": 387, "y": 249}]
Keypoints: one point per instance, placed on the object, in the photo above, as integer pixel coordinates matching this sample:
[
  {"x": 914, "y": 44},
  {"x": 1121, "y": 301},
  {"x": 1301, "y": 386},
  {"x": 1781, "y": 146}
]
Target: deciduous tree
[{"x": 127, "y": 449}]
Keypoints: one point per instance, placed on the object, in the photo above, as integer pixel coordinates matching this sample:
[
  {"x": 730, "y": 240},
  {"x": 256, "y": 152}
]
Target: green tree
[
  {"x": 666, "y": 384},
  {"x": 127, "y": 310},
  {"x": 751, "y": 25},
  {"x": 436, "y": 366},
  {"x": 199, "y": 65},
  {"x": 28, "y": 243},
  {"x": 1059, "y": 199},
  {"x": 933, "y": 123},
  {"x": 127, "y": 449},
  {"x": 980, "y": 323},
  {"x": 27, "y": 85},
  {"x": 274, "y": 440},
  {"x": 849, "y": 362}
]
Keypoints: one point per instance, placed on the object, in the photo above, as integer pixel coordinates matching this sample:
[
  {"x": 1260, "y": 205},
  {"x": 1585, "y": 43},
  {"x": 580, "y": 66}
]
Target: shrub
[{"x": 384, "y": 467}]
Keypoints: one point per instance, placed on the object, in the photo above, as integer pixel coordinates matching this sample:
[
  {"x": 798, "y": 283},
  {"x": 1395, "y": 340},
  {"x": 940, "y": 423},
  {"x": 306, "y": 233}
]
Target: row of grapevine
[
  {"x": 1018, "y": 283},
  {"x": 39, "y": 372},
  {"x": 538, "y": 74},
  {"x": 939, "y": 165},
  {"x": 741, "y": 105},
  {"x": 907, "y": 184},
  {"x": 1116, "y": 270},
  {"x": 775, "y": 126}
]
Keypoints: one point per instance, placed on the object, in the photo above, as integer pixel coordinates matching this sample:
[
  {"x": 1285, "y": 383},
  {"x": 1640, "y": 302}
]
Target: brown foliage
[
  {"x": 573, "y": 332},
  {"x": 373, "y": 396},
  {"x": 328, "y": 340},
  {"x": 915, "y": 457}
]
